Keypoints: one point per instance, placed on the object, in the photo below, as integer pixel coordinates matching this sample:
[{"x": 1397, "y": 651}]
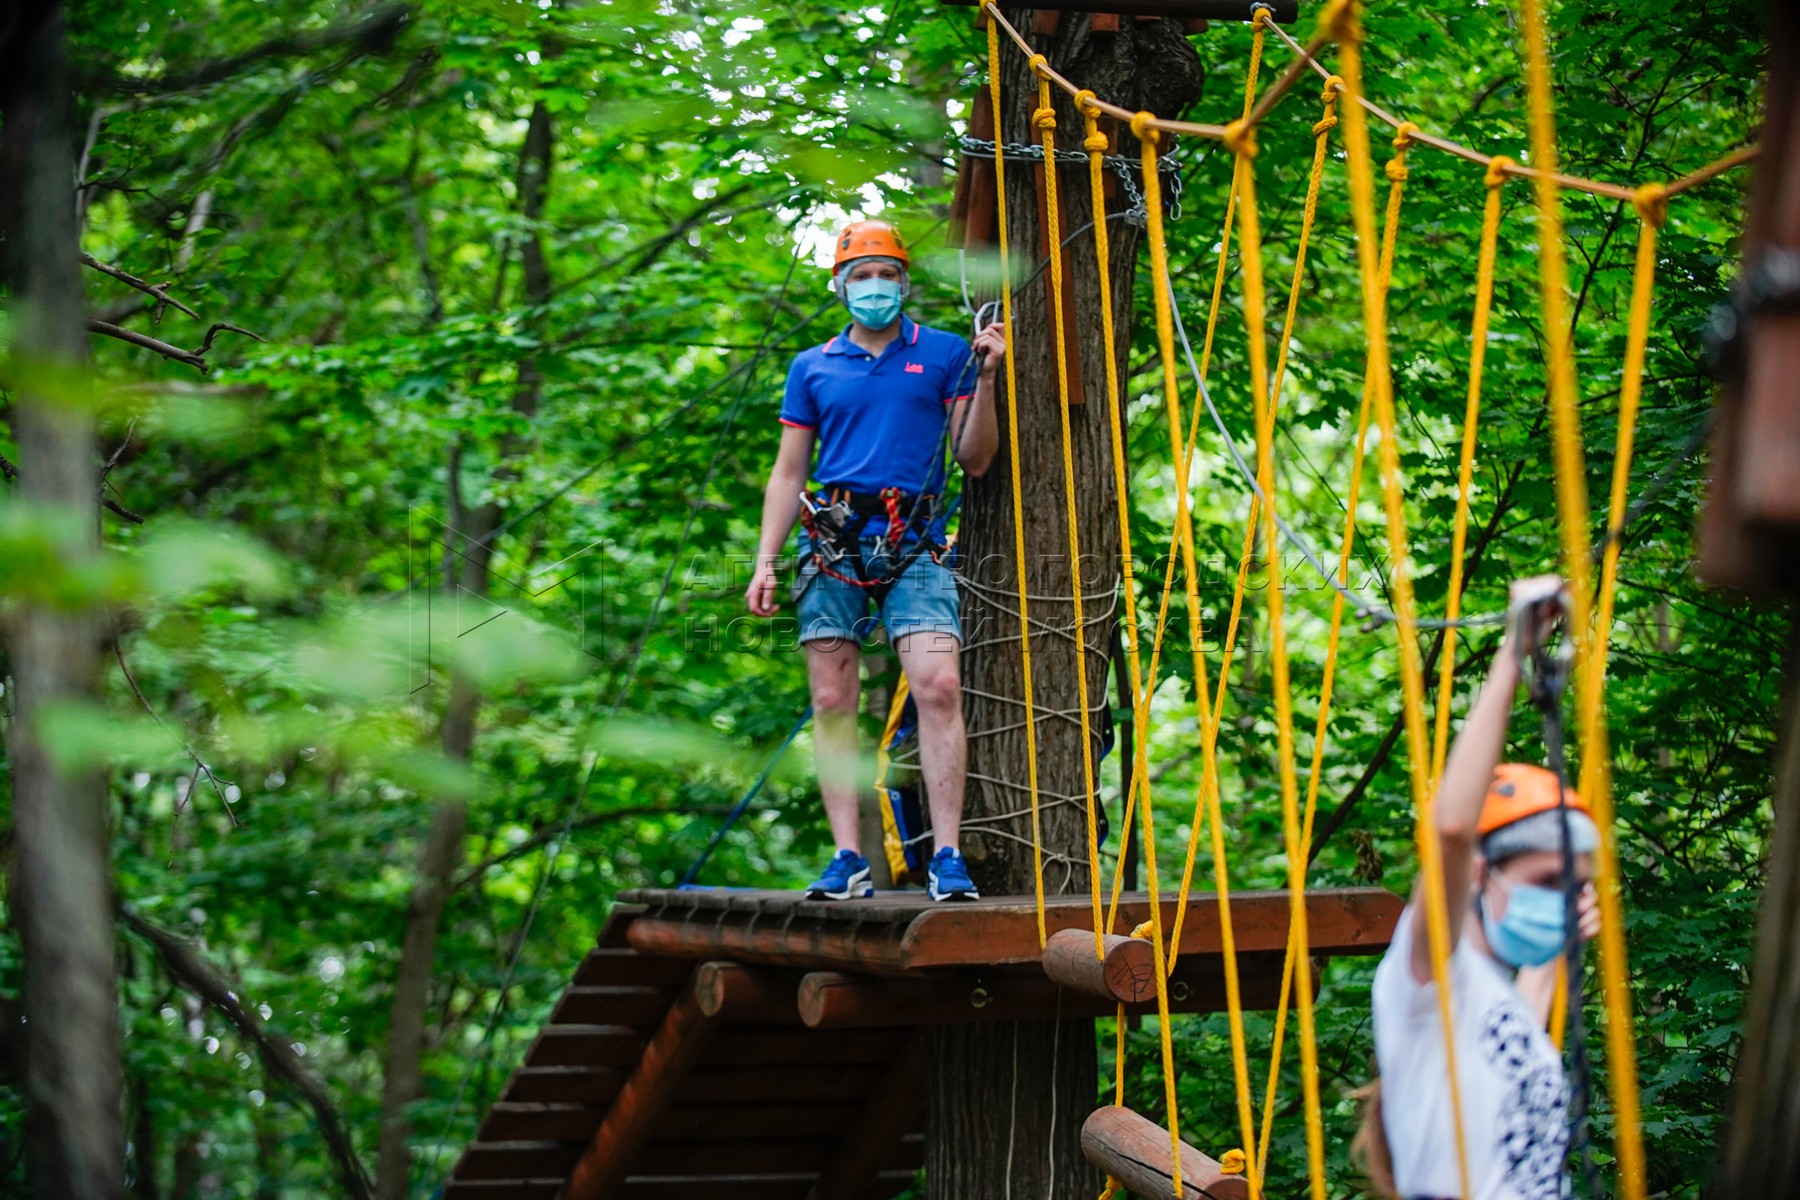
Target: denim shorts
[{"x": 923, "y": 600}]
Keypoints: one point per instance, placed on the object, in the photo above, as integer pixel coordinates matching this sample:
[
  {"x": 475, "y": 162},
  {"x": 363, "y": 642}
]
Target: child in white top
[{"x": 1500, "y": 827}]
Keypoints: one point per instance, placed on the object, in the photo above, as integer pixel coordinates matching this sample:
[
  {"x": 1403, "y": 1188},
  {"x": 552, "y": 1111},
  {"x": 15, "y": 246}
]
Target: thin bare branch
[
  {"x": 157, "y": 290},
  {"x": 370, "y": 33},
  {"x": 185, "y": 966}
]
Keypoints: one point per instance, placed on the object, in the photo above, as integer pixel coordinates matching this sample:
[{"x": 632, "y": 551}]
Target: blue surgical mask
[
  {"x": 875, "y": 303},
  {"x": 1534, "y": 929}
]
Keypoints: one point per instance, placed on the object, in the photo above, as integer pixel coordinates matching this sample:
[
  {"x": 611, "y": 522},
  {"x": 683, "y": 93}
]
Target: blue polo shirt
[{"x": 879, "y": 419}]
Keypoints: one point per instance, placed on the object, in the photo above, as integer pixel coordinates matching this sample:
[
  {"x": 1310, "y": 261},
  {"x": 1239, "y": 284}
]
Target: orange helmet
[
  {"x": 1520, "y": 790},
  {"x": 866, "y": 239}
]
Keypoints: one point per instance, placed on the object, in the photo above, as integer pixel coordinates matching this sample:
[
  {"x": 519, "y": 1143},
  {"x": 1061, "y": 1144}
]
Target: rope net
[{"x": 1347, "y": 112}]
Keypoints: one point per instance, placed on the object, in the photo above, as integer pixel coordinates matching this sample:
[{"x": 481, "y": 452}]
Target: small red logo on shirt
[{"x": 915, "y": 368}]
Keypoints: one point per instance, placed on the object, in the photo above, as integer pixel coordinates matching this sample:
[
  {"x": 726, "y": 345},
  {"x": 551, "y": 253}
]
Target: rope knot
[
  {"x": 1095, "y": 143},
  {"x": 1326, "y": 122},
  {"x": 1652, "y": 204},
  {"x": 1086, "y": 104},
  {"x": 1142, "y": 931},
  {"x": 1403, "y": 136},
  {"x": 1232, "y": 1161},
  {"x": 1396, "y": 168},
  {"x": 1341, "y": 21},
  {"x": 1334, "y": 87},
  {"x": 1142, "y": 130},
  {"x": 1260, "y": 15},
  {"x": 1498, "y": 169},
  {"x": 1240, "y": 138},
  {"x": 1040, "y": 66},
  {"x": 1043, "y": 118}
]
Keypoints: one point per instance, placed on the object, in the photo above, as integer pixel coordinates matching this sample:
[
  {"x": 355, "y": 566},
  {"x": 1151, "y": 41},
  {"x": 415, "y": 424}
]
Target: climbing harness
[{"x": 834, "y": 520}]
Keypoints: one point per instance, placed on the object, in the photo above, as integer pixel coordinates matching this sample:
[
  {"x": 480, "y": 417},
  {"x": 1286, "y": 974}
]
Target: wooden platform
[{"x": 747, "y": 1043}]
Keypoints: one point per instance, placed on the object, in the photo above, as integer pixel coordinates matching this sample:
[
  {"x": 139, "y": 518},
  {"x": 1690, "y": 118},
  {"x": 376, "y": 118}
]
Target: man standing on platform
[{"x": 879, "y": 402}]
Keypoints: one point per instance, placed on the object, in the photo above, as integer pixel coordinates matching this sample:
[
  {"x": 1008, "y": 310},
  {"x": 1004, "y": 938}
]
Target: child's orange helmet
[
  {"x": 869, "y": 239},
  {"x": 1521, "y": 790}
]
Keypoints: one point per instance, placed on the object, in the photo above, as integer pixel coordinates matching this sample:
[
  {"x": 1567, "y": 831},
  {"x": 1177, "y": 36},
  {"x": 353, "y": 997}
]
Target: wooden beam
[
  {"x": 1285, "y": 11},
  {"x": 1136, "y": 1152},
  {"x": 667, "y": 1060},
  {"x": 752, "y": 997},
  {"x": 1124, "y": 971},
  {"x": 891, "y": 1110},
  {"x": 835, "y": 1000},
  {"x": 895, "y": 934}
]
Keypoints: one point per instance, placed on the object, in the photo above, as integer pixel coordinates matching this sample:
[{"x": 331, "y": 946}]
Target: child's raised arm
[{"x": 1533, "y": 610}]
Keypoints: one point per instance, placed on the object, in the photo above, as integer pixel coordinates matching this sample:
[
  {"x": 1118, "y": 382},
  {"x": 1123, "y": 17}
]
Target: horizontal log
[
  {"x": 1197, "y": 10},
  {"x": 635, "y": 1005},
  {"x": 776, "y": 1085},
  {"x": 564, "y": 1085},
  {"x": 1124, "y": 970},
  {"x": 746, "y": 995},
  {"x": 609, "y": 966},
  {"x": 899, "y": 933},
  {"x": 766, "y": 1120},
  {"x": 837, "y": 1000},
  {"x": 517, "y": 1160},
  {"x": 511, "y": 1120},
  {"x": 1135, "y": 1151},
  {"x": 502, "y": 1189}
]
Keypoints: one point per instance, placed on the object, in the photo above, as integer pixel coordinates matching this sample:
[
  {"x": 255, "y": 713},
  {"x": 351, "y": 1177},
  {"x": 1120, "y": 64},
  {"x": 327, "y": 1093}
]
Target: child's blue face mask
[
  {"x": 1532, "y": 931},
  {"x": 874, "y": 303}
]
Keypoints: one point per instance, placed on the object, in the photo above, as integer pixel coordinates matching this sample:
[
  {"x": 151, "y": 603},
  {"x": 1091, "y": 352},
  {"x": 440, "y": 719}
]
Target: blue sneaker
[
  {"x": 846, "y": 878},
  {"x": 948, "y": 877}
]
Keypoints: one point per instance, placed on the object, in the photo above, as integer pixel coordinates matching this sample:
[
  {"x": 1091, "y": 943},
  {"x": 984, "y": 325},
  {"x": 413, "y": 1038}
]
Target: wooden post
[
  {"x": 1126, "y": 972},
  {"x": 1136, "y": 1153}
]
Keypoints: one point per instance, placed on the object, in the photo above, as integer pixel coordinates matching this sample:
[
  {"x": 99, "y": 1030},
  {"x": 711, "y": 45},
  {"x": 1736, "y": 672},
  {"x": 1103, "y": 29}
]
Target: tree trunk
[
  {"x": 469, "y": 554},
  {"x": 996, "y": 1086},
  {"x": 61, "y": 884}
]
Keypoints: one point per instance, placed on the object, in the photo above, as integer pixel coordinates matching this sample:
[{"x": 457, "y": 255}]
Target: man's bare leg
[
  {"x": 933, "y": 665},
  {"x": 831, "y": 669}
]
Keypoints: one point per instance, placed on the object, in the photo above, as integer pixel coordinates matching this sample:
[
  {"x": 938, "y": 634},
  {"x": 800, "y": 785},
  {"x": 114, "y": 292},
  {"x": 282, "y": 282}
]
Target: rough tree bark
[
  {"x": 997, "y": 1089},
  {"x": 469, "y": 553},
  {"x": 61, "y": 882}
]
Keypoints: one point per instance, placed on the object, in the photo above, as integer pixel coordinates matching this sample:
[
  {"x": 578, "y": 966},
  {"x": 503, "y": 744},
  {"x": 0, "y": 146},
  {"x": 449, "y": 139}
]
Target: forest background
[{"x": 535, "y": 271}]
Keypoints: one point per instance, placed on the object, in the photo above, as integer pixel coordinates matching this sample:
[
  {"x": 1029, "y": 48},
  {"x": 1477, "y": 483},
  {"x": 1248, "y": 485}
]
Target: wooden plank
[
  {"x": 607, "y": 967},
  {"x": 517, "y": 1160},
  {"x": 898, "y": 933},
  {"x": 612, "y": 930},
  {"x": 510, "y": 1120},
  {"x": 621, "y": 1004},
  {"x": 720, "y": 1123},
  {"x": 502, "y": 1189},
  {"x": 890, "y": 1112},
  {"x": 1124, "y": 971},
  {"x": 784, "y": 1186},
  {"x": 777, "y": 1085},
  {"x": 616, "y": 1046},
  {"x": 1136, "y": 1152},
  {"x": 802, "y": 1047},
  {"x": 740, "y": 1157},
  {"x": 564, "y": 1085}
]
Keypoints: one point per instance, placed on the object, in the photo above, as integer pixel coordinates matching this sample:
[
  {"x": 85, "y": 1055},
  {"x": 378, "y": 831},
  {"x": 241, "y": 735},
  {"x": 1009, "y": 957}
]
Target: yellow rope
[
  {"x": 1572, "y": 509},
  {"x": 1044, "y": 120},
  {"x": 1343, "y": 18},
  {"x": 1018, "y": 499},
  {"x": 1243, "y": 144},
  {"x": 1478, "y": 339},
  {"x": 1165, "y": 330},
  {"x": 892, "y": 844},
  {"x": 1095, "y": 143}
]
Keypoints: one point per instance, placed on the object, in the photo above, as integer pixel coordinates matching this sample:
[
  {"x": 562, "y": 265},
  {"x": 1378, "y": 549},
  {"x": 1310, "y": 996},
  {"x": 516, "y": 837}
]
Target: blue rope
[{"x": 743, "y": 805}]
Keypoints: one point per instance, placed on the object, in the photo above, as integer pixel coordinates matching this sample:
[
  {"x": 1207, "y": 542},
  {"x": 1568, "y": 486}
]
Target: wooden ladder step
[
  {"x": 518, "y": 1160},
  {"x": 640, "y": 1006},
  {"x": 510, "y": 1121}
]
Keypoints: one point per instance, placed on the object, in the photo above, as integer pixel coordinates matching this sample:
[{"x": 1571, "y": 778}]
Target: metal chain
[{"x": 1123, "y": 166}]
